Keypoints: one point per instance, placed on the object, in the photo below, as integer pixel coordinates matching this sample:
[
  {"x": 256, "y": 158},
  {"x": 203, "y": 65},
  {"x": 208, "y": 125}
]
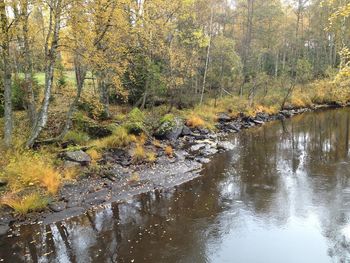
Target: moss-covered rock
[{"x": 169, "y": 128}]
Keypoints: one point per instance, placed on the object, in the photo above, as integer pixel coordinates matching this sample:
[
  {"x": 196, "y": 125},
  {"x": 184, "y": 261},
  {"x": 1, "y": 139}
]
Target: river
[{"x": 281, "y": 195}]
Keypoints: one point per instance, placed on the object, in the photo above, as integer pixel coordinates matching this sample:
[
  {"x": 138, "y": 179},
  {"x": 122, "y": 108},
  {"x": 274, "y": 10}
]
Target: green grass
[{"x": 40, "y": 77}]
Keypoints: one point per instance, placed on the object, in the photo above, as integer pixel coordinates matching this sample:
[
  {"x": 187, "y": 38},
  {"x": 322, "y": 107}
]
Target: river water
[{"x": 282, "y": 195}]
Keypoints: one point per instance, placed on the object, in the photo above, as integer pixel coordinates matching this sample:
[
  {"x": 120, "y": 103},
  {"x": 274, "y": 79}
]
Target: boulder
[
  {"x": 258, "y": 122},
  {"x": 186, "y": 131},
  {"x": 197, "y": 147},
  {"x": 80, "y": 157},
  {"x": 58, "y": 206},
  {"x": 287, "y": 113},
  {"x": 170, "y": 129},
  {"x": 96, "y": 132},
  {"x": 225, "y": 145},
  {"x": 224, "y": 117}
]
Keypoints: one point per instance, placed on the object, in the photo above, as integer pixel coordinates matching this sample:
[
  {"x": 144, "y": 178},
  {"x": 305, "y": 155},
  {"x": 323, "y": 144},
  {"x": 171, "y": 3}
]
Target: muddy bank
[{"x": 123, "y": 180}]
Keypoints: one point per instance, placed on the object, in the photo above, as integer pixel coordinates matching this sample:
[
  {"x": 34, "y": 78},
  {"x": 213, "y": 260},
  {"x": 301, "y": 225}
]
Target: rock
[
  {"x": 197, "y": 147},
  {"x": 97, "y": 132},
  {"x": 97, "y": 197},
  {"x": 202, "y": 160},
  {"x": 4, "y": 229},
  {"x": 58, "y": 207},
  {"x": 280, "y": 117},
  {"x": 60, "y": 216},
  {"x": 258, "y": 122},
  {"x": 225, "y": 145},
  {"x": 80, "y": 157},
  {"x": 224, "y": 117},
  {"x": 74, "y": 203},
  {"x": 170, "y": 129},
  {"x": 186, "y": 131},
  {"x": 286, "y": 113},
  {"x": 203, "y": 131},
  {"x": 198, "y": 136},
  {"x": 70, "y": 164},
  {"x": 209, "y": 151}
]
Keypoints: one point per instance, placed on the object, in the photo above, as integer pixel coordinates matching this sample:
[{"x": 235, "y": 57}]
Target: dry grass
[
  {"x": 25, "y": 204},
  {"x": 169, "y": 151},
  {"x": 157, "y": 144},
  {"x": 95, "y": 155},
  {"x": 26, "y": 169},
  {"x": 71, "y": 173},
  {"x": 119, "y": 139},
  {"x": 195, "y": 121},
  {"x": 151, "y": 156},
  {"x": 139, "y": 153}
]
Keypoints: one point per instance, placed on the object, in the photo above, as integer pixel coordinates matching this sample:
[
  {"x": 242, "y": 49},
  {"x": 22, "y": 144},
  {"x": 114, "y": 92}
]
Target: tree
[
  {"x": 5, "y": 36},
  {"x": 51, "y": 45}
]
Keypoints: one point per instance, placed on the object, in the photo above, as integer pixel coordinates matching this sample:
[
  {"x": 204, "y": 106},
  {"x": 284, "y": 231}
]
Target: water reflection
[{"x": 282, "y": 195}]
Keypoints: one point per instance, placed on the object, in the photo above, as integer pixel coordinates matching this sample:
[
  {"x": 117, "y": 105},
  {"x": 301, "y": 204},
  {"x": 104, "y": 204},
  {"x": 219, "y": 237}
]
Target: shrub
[
  {"x": 28, "y": 203},
  {"x": 167, "y": 118},
  {"x": 92, "y": 106},
  {"x": 195, "y": 122},
  {"x": 77, "y": 137},
  {"x": 18, "y": 94},
  {"x": 135, "y": 123}
]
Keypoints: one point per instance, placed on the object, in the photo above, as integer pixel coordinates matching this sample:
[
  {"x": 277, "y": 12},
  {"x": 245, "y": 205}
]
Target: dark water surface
[{"x": 282, "y": 195}]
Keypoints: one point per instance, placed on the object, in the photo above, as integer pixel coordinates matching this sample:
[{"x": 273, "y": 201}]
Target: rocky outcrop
[{"x": 79, "y": 157}]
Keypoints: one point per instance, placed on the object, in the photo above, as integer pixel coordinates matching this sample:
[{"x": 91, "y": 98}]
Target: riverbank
[{"x": 120, "y": 179}]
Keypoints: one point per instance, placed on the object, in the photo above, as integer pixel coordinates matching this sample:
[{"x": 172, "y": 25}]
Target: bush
[
  {"x": 77, "y": 137},
  {"x": 135, "y": 123},
  {"x": 19, "y": 93},
  {"x": 92, "y": 107}
]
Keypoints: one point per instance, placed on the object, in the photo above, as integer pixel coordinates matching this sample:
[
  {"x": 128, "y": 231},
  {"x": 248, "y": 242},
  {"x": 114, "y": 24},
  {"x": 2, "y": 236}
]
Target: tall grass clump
[
  {"x": 28, "y": 203},
  {"x": 27, "y": 169},
  {"x": 119, "y": 139}
]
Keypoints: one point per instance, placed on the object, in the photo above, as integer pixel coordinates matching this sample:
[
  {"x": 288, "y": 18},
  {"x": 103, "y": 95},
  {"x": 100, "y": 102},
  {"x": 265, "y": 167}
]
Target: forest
[{"x": 94, "y": 75}]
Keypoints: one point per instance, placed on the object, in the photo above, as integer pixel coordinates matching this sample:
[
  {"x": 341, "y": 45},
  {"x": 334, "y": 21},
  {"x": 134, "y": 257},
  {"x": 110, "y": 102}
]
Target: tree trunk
[
  {"x": 208, "y": 56},
  {"x": 28, "y": 68},
  {"x": 104, "y": 93},
  {"x": 51, "y": 55},
  {"x": 7, "y": 76}
]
